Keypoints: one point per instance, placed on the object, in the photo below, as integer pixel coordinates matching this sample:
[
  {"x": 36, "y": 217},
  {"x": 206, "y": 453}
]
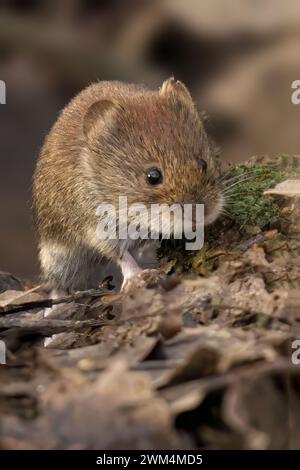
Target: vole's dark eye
[
  {"x": 203, "y": 165},
  {"x": 154, "y": 176}
]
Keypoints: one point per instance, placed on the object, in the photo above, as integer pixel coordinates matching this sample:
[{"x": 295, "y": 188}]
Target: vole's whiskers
[
  {"x": 225, "y": 180},
  {"x": 225, "y": 212},
  {"x": 243, "y": 179}
]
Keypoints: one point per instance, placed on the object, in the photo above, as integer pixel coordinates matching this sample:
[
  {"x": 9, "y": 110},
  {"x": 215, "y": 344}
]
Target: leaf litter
[{"x": 198, "y": 357}]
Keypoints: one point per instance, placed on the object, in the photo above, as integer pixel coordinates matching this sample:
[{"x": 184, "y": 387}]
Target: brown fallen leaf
[
  {"x": 248, "y": 408},
  {"x": 204, "y": 352},
  {"x": 118, "y": 410}
]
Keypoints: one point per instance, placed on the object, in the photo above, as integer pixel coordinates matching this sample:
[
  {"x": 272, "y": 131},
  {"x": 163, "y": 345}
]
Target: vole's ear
[
  {"x": 100, "y": 113},
  {"x": 176, "y": 90}
]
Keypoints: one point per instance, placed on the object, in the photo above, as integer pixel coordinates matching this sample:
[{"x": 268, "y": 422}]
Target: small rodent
[{"x": 106, "y": 143}]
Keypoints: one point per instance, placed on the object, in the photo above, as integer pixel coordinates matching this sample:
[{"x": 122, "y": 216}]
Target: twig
[
  {"x": 13, "y": 308},
  {"x": 46, "y": 327}
]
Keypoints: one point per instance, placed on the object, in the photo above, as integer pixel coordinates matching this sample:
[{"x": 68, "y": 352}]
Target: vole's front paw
[{"x": 144, "y": 278}]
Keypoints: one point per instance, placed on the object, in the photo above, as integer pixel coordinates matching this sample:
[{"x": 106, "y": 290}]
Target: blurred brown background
[{"x": 239, "y": 59}]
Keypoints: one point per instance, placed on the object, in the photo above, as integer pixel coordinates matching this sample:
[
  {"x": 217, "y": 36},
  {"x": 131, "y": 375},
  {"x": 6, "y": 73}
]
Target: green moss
[{"x": 246, "y": 205}]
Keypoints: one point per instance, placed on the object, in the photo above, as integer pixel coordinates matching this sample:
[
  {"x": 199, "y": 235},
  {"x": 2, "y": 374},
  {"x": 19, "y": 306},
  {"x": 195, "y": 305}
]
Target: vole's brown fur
[{"x": 101, "y": 147}]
